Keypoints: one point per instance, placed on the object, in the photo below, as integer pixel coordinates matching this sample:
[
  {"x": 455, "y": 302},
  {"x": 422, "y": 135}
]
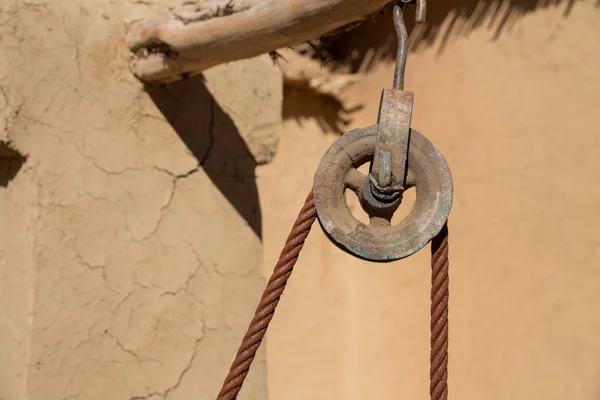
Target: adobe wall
[{"x": 130, "y": 239}]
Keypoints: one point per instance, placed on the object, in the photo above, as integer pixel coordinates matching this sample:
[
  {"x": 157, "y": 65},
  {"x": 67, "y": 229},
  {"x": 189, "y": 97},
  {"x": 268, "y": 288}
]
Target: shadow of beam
[
  {"x": 375, "y": 41},
  {"x": 212, "y": 137}
]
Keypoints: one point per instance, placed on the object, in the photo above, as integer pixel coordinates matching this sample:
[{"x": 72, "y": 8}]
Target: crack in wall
[
  {"x": 166, "y": 393},
  {"x": 211, "y": 131},
  {"x": 76, "y": 46},
  {"x": 175, "y": 177},
  {"x": 185, "y": 287},
  {"x": 119, "y": 346},
  {"x": 201, "y": 162},
  {"x": 4, "y": 95},
  {"x": 124, "y": 349},
  {"x": 100, "y": 268}
]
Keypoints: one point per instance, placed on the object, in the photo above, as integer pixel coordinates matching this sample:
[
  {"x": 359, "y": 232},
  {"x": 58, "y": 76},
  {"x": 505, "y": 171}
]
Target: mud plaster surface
[{"x": 118, "y": 276}]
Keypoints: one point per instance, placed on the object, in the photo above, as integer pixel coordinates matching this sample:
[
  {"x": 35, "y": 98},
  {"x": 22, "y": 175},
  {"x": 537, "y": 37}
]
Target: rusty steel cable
[
  {"x": 276, "y": 285},
  {"x": 268, "y": 302},
  {"x": 439, "y": 316}
]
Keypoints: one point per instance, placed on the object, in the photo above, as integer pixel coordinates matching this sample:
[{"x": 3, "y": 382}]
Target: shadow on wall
[
  {"x": 11, "y": 162},
  {"x": 212, "y": 137},
  {"x": 329, "y": 112},
  {"x": 375, "y": 41}
]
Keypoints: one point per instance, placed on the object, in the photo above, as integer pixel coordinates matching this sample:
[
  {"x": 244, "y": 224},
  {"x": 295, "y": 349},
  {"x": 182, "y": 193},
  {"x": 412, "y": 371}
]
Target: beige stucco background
[
  {"x": 512, "y": 98},
  {"x": 135, "y": 236}
]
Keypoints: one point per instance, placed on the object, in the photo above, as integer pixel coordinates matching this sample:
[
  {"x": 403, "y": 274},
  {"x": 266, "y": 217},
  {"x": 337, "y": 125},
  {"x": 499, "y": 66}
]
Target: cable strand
[
  {"x": 276, "y": 285},
  {"x": 270, "y": 298},
  {"x": 439, "y": 316}
]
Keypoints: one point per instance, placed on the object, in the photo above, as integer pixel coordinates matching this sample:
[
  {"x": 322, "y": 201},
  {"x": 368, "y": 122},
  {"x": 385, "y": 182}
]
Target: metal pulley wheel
[
  {"x": 400, "y": 158},
  {"x": 428, "y": 172}
]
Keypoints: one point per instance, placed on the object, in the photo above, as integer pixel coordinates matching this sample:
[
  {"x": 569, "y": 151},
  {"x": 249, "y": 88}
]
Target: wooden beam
[{"x": 190, "y": 39}]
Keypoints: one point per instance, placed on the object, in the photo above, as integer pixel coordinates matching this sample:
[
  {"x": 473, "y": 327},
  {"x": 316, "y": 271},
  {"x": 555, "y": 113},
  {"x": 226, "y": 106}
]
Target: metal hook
[
  {"x": 402, "y": 33},
  {"x": 402, "y": 47},
  {"x": 421, "y": 11}
]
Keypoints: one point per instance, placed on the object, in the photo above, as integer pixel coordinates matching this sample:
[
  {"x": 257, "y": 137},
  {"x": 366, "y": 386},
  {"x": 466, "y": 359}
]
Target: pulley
[{"x": 400, "y": 158}]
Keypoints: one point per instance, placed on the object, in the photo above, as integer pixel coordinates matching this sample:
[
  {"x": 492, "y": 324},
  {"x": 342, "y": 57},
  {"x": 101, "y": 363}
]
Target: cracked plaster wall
[{"x": 130, "y": 240}]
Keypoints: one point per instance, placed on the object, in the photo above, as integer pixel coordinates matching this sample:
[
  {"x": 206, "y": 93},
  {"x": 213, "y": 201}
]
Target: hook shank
[{"x": 402, "y": 53}]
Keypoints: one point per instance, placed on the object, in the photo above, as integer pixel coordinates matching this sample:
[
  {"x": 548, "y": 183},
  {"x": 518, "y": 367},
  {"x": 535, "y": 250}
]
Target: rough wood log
[{"x": 205, "y": 33}]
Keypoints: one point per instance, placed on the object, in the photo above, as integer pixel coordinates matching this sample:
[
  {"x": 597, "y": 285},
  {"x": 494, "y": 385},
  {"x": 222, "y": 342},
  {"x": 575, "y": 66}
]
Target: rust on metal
[
  {"x": 389, "y": 160},
  {"x": 428, "y": 172},
  {"x": 388, "y": 169}
]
